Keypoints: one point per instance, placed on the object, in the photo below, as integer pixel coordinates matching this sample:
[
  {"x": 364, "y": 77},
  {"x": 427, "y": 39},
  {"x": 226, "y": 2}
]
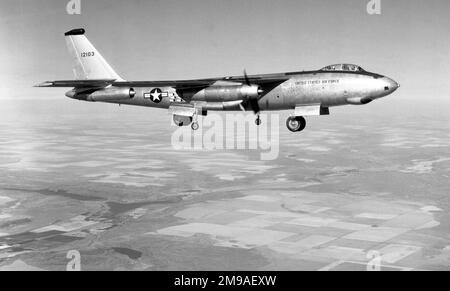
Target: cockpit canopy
[{"x": 344, "y": 67}]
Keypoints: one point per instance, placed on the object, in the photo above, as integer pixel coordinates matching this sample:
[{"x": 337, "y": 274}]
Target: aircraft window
[
  {"x": 344, "y": 67},
  {"x": 332, "y": 68}
]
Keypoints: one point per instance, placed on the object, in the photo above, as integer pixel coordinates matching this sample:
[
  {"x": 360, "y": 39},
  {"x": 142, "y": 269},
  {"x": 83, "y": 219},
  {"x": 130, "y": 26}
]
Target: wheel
[
  {"x": 258, "y": 121},
  {"x": 194, "y": 125},
  {"x": 296, "y": 123}
]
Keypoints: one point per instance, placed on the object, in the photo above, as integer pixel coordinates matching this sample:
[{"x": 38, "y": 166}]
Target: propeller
[
  {"x": 252, "y": 101},
  {"x": 247, "y": 81}
]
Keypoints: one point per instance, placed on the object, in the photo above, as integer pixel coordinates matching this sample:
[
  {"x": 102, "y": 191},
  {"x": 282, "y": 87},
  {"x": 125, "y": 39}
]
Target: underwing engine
[{"x": 227, "y": 93}]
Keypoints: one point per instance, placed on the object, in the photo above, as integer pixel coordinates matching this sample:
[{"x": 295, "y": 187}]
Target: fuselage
[
  {"x": 327, "y": 88},
  {"x": 307, "y": 93}
]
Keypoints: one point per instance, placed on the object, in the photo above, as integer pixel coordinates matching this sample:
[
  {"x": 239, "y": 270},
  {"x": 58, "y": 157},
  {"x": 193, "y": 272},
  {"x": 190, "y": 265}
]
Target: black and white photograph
[{"x": 244, "y": 136}]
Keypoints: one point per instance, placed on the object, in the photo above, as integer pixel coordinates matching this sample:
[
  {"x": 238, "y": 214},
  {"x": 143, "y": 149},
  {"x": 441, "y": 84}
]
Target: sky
[{"x": 184, "y": 39}]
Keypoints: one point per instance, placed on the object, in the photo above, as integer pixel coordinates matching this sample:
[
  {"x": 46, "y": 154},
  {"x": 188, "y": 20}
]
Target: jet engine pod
[
  {"x": 112, "y": 94},
  {"x": 228, "y": 93},
  {"x": 251, "y": 91}
]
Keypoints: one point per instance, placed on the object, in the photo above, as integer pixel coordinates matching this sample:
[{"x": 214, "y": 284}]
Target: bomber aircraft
[{"x": 306, "y": 93}]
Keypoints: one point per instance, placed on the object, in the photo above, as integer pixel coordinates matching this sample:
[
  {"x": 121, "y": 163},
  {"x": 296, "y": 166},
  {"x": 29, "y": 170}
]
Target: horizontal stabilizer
[{"x": 92, "y": 83}]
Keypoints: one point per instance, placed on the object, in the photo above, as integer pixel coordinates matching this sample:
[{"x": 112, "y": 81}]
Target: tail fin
[{"x": 88, "y": 63}]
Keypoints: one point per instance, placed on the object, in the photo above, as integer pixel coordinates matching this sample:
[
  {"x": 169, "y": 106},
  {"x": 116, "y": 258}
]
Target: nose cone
[{"x": 390, "y": 85}]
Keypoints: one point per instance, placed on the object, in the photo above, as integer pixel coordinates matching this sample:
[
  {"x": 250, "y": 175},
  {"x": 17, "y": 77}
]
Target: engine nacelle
[
  {"x": 111, "y": 94},
  {"x": 227, "y": 93}
]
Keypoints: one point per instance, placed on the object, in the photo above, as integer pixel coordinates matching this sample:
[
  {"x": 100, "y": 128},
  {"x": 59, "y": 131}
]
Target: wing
[
  {"x": 202, "y": 83},
  {"x": 262, "y": 80}
]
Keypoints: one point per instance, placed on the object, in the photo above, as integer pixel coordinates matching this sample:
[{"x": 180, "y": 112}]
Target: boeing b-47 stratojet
[{"x": 306, "y": 93}]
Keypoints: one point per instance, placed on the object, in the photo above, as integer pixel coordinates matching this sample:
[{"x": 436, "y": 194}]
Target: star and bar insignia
[{"x": 156, "y": 95}]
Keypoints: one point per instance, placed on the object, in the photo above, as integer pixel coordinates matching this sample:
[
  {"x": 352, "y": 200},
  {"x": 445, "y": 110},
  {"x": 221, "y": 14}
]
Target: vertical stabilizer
[{"x": 88, "y": 63}]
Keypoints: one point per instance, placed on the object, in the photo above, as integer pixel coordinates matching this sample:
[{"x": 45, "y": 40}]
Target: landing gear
[
  {"x": 296, "y": 123},
  {"x": 182, "y": 120},
  {"x": 194, "y": 125},
  {"x": 258, "y": 120}
]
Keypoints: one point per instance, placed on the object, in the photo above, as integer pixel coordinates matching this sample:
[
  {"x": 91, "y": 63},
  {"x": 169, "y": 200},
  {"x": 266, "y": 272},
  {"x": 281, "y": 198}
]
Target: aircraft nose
[{"x": 390, "y": 85}]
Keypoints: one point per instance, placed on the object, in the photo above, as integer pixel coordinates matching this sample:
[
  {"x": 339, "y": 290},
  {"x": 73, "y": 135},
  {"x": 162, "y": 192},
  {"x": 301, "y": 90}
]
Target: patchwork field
[{"x": 106, "y": 181}]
